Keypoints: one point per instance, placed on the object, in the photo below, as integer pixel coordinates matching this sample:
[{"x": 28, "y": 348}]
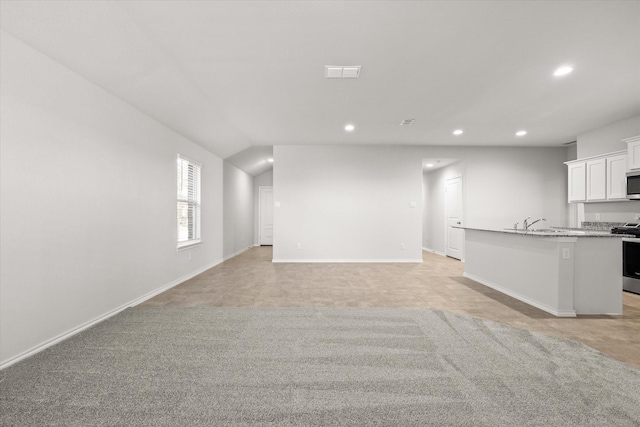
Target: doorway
[
  {"x": 265, "y": 215},
  {"x": 454, "y": 237}
]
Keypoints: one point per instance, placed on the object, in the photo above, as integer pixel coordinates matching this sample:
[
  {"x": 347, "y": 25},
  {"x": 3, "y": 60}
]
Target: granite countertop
[{"x": 552, "y": 232}]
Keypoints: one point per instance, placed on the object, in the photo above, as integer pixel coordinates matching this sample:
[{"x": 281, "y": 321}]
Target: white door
[
  {"x": 266, "y": 215},
  {"x": 453, "y": 216}
]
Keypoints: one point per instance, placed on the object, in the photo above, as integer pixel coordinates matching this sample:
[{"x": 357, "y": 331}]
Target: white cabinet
[
  {"x": 598, "y": 179},
  {"x": 617, "y": 177},
  {"x": 577, "y": 182},
  {"x": 633, "y": 152}
]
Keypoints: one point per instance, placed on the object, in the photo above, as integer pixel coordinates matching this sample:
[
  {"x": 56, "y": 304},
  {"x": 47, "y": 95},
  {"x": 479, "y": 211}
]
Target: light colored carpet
[{"x": 316, "y": 366}]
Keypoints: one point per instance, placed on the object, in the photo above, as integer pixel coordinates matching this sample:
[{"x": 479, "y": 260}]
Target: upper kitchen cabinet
[
  {"x": 598, "y": 179},
  {"x": 633, "y": 152},
  {"x": 577, "y": 182},
  {"x": 616, "y": 177}
]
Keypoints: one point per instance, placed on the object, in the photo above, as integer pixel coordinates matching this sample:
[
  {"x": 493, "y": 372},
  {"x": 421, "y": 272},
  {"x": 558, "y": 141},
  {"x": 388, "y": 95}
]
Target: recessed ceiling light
[
  {"x": 349, "y": 128},
  {"x": 457, "y": 132},
  {"x": 270, "y": 160},
  {"x": 521, "y": 133},
  {"x": 429, "y": 165},
  {"x": 563, "y": 71}
]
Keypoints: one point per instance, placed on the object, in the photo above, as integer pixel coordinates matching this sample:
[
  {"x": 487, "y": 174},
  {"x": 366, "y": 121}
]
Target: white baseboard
[
  {"x": 71, "y": 332},
  {"x": 434, "y": 251},
  {"x": 352, "y": 261},
  {"x": 170, "y": 285},
  {"x": 236, "y": 253},
  {"x": 559, "y": 313}
]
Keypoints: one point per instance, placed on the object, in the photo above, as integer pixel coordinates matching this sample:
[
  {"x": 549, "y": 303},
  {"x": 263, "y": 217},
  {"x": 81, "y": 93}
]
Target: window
[{"x": 188, "y": 202}]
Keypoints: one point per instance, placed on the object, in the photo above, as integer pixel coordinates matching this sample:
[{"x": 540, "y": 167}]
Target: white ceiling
[
  {"x": 231, "y": 75},
  {"x": 436, "y": 164},
  {"x": 254, "y": 160}
]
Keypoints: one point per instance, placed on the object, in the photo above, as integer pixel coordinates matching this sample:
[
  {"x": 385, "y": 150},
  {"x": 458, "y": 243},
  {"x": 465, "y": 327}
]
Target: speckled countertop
[
  {"x": 552, "y": 232},
  {"x": 600, "y": 225}
]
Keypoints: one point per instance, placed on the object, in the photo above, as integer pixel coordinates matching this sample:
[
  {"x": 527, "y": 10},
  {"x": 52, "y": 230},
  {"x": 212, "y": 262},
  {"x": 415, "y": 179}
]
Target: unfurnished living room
[{"x": 318, "y": 213}]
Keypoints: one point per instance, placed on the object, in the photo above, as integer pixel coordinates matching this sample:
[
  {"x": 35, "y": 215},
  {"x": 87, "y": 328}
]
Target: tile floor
[{"x": 252, "y": 280}]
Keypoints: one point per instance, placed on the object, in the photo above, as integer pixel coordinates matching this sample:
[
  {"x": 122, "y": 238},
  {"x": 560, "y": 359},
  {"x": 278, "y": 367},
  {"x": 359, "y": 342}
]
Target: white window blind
[{"x": 188, "y": 202}]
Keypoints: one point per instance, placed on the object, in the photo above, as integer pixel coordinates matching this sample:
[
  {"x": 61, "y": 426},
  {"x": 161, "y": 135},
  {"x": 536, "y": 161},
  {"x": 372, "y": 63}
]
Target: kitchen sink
[
  {"x": 557, "y": 230},
  {"x": 536, "y": 230},
  {"x": 546, "y": 231}
]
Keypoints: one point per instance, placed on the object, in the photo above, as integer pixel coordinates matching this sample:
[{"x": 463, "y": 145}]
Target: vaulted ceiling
[{"x": 238, "y": 75}]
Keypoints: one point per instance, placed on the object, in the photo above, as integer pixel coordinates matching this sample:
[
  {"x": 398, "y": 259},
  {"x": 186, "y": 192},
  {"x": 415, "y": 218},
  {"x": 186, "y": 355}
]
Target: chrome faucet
[{"x": 526, "y": 225}]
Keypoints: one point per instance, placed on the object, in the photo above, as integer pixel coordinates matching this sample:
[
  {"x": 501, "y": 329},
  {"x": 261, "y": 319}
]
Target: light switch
[
  {"x": 413, "y": 204},
  {"x": 276, "y": 204},
  {"x": 566, "y": 253}
]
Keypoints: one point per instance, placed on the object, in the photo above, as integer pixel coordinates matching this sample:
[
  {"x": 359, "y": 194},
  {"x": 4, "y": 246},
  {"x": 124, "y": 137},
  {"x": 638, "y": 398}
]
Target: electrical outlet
[
  {"x": 566, "y": 253},
  {"x": 402, "y": 246},
  {"x": 299, "y": 246},
  {"x": 597, "y": 217}
]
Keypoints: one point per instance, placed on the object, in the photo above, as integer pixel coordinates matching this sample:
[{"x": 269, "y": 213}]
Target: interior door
[
  {"x": 266, "y": 215},
  {"x": 453, "y": 215}
]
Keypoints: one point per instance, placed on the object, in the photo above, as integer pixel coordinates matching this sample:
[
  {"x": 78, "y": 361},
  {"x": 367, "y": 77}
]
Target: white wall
[
  {"x": 238, "y": 210},
  {"x": 346, "y": 203},
  {"x": 608, "y": 138},
  {"x": 88, "y": 195},
  {"x": 505, "y": 185},
  {"x": 332, "y": 188},
  {"x": 263, "y": 180},
  {"x": 502, "y": 185}
]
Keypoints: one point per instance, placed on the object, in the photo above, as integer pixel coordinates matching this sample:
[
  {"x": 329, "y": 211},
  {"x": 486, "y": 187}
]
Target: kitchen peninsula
[{"x": 563, "y": 272}]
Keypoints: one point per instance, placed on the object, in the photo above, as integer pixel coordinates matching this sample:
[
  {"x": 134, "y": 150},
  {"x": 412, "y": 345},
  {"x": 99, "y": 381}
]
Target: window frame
[{"x": 193, "y": 200}]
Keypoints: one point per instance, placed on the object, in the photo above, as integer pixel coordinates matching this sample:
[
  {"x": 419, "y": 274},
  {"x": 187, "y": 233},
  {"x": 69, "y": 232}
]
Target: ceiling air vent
[
  {"x": 407, "y": 122},
  {"x": 342, "y": 71}
]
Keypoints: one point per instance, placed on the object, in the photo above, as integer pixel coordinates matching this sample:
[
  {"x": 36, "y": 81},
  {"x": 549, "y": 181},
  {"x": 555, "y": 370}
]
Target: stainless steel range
[{"x": 630, "y": 257}]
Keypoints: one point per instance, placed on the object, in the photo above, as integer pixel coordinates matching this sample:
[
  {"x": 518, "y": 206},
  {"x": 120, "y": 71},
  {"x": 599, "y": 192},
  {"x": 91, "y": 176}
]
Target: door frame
[
  {"x": 446, "y": 216},
  {"x": 260, "y": 189}
]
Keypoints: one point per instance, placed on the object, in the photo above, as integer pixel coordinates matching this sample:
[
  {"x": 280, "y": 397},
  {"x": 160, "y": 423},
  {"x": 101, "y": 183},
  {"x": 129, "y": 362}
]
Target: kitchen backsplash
[
  {"x": 601, "y": 225},
  {"x": 613, "y": 211}
]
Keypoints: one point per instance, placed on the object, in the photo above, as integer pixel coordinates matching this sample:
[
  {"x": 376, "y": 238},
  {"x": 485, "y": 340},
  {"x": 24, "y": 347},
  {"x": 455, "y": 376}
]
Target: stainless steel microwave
[{"x": 633, "y": 185}]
